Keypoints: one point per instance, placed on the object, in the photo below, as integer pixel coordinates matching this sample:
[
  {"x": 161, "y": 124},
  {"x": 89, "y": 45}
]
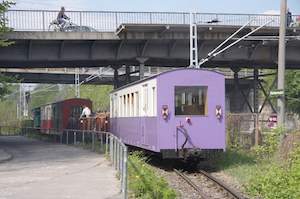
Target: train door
[
  {"x": 37, "y": 118},
  {"x": 56, "y": 119},
  {"x": 144, "y": 112},
  {"x": 74, "y": 116}
]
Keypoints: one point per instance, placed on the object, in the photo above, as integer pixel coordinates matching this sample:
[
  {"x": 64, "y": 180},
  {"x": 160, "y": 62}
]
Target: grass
[
  {"x": 261, "y": 172},
  {"x": 236, "y": 163},
  {"x": 143, "y": 181}
]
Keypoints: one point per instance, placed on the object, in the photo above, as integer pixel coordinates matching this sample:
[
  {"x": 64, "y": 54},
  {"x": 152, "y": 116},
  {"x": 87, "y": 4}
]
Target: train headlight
[
  {"x": 219, "y": 112},
  {"x": 165, "y": 112}
]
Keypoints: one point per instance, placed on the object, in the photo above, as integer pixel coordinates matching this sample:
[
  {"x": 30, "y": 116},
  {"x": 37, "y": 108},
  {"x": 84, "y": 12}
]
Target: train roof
[
  {"x": 61, "y": 101},
  {"x": 162, "y": 73}
]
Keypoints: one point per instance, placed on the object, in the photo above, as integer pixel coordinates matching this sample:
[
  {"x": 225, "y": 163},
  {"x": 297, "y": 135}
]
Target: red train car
[{"x": 60, "y": 115}]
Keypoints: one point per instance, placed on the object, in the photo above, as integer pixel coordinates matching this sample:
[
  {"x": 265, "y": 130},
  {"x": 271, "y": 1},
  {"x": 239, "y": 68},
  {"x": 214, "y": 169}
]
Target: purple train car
[{"x": 176, "y": 113}]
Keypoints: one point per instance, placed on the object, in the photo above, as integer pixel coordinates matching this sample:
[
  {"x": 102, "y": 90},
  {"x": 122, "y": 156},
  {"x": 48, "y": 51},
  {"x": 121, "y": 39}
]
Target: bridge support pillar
[
  {"x": 128, "y": 79},
  {"x": 116, "y": 78},
  {"x": 239, "y": 93},
  {"x": 236, "y": 93},
  {"x": 142, "y": 61},
  {"x": 255, "y": 90},
  {"x": 255, "y": 106}
]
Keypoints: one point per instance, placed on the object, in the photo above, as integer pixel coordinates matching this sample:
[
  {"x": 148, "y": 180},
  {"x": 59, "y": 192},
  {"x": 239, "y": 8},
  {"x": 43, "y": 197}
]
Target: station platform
[{"x": 34, "y": 169}]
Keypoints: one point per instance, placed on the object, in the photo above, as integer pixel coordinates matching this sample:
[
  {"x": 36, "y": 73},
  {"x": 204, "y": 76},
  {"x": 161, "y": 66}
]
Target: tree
[
  {"x": 292, "y": 91},
  {"x": 4, "y": 81},
  {"x": 3, "y": 21}
]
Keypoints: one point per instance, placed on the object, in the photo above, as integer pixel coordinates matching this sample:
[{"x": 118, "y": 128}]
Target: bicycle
[{"x": 68, "y": 26}]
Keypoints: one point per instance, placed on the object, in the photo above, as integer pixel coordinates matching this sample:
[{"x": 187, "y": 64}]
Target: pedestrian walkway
[{"x": 53, "y": 171}]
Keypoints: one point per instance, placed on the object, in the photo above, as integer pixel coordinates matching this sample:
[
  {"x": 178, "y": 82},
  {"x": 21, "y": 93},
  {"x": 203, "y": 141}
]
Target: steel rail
[
  {"x": 222, "y": 185},
  {"x": 191, "y": 183}
]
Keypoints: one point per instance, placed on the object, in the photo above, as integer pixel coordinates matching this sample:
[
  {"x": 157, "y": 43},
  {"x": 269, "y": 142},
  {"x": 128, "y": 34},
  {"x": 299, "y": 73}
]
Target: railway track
[{"x": 208, "y": 186}]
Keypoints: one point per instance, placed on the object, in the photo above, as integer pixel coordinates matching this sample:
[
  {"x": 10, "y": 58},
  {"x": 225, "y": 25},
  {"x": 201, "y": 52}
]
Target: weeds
[
  {"x": 260, "y": 171},
  {"x": 278, "y": 180},
  {"x": 144, "y": 183}
]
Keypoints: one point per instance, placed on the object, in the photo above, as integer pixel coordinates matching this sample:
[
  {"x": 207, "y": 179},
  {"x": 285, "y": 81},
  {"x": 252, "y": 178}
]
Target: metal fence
[
  {"x": 247, "y": 129},
  {"x": 98, "y": 141},
  {"x": 39, "y": 20}
]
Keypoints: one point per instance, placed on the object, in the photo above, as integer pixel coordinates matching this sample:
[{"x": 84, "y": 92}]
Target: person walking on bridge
[{"x": 62, "y": 17}]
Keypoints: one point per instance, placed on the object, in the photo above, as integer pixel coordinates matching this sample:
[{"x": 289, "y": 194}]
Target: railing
[
  {"x": 39, "y": 20},
  {"x": 98, "y": 141}
]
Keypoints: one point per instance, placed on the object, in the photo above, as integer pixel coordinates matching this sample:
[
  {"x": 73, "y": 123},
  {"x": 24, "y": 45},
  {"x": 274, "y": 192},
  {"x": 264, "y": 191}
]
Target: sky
[{"x": 210, "y": 6}]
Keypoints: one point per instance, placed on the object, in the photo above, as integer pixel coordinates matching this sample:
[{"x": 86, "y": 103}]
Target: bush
[
  {"x": 278, "y": 181},
  {"x": 143, "y": 183},
  {"x": 269, "y": 146}
]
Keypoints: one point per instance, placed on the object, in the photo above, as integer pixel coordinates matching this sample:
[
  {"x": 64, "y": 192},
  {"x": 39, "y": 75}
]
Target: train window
[
  {"x": 124, "y": 104},
  {"x": 112, "y": 106},
  {"x": 145, "y": 99},
  {"x": 120, "y": 107},
  {"x": 153, "y": 101},
  {"x": 137, "y": 104},
  {"x": 128, "y": 105},
  {"x": 190, "y": 100},
  {"x": 76, "y": 111},
  {"x": 115, "y": 105},
  {"x": 132, "y": 105}
]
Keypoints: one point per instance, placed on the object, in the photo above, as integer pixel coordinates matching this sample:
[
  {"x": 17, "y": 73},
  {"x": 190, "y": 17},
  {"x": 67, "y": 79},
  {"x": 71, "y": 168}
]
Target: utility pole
[
  {"x": 193, "y": 42},
  {"x": 281, "y": 63},
  {"x": 77, "y": 83}
]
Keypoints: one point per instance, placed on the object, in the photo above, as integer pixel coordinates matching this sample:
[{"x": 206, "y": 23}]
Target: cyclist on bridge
[{"x": 62, "y": 17}]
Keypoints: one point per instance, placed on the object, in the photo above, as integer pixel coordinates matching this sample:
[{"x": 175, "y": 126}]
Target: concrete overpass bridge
[
  {"x": 141, "y": 38},
  {"x": 152, "y": 45}
]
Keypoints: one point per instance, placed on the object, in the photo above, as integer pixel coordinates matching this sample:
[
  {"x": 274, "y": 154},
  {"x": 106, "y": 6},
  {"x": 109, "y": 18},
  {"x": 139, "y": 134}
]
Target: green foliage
[
  {"x": 3, "y": 21},
  {"x": 269, "y": 145},
  {"x": 43, "y": 94},
  {"x": 6, "y": 86},
  {"x": 98, "y": 94},
  {"x": 143, "y": 183},
  {"x": 292, "y": 91},
  {"x": 8, "y": 111},
  {"x": 4, "y": 5},
  {"x": 278, "y": 181}
]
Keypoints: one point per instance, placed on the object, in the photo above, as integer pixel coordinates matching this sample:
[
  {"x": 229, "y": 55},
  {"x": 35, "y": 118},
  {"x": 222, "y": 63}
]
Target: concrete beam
[
  {"x": 92, "y": 52},
  {"x": 34, "y": 35}
]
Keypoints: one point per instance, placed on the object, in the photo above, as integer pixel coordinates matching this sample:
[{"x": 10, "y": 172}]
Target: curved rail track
[{"x": 200, "y": 187}]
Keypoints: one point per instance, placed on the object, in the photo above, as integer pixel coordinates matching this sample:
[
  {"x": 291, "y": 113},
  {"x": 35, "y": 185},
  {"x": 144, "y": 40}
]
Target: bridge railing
[{"x": 39, "y": 20}]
